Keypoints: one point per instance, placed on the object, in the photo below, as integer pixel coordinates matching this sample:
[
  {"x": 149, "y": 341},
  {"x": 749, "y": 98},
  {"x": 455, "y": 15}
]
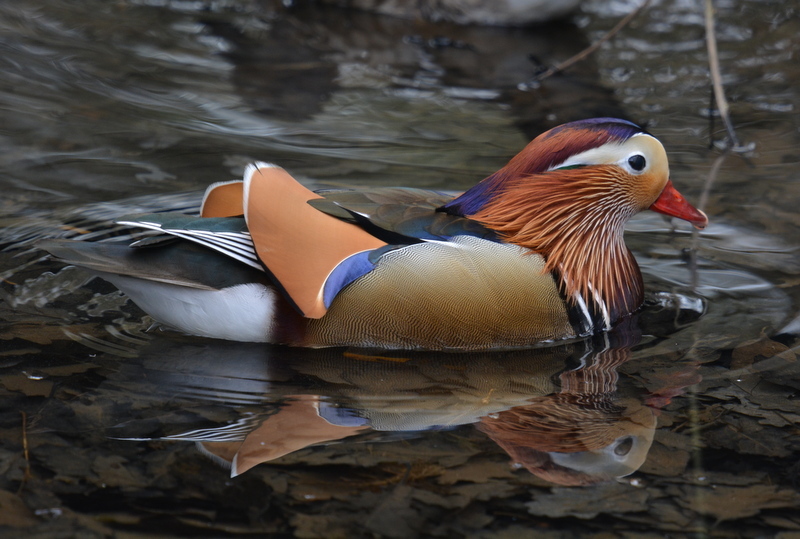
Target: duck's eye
[
  {"x": 637, "y": 162},
  {"x": 624, "y": 446}
]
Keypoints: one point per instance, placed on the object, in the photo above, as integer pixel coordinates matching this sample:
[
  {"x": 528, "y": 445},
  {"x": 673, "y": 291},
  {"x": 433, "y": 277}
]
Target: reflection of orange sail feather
[{"x": 298, "y": 425}]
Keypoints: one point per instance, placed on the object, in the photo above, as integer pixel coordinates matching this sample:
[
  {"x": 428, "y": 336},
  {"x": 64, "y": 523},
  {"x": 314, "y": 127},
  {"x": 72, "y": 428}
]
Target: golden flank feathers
[{"x": 465, "y": 294}]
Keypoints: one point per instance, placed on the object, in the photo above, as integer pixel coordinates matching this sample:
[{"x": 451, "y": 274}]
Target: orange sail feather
[{"x": 298, "y": 244}]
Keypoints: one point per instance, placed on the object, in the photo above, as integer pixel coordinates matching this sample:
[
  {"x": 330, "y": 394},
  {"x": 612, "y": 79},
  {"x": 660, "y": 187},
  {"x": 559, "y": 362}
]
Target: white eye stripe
[{"x": 611, "y": 153}]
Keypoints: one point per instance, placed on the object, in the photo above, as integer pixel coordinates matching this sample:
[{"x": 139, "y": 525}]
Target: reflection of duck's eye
[{"x": 624, "y": 446}]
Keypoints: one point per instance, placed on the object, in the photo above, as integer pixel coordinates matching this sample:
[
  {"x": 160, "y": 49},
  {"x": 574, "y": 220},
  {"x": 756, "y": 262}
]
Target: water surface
[{"x": 682, "y": 421}]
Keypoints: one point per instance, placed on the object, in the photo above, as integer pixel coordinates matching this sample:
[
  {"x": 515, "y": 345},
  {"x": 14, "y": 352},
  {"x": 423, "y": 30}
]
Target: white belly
[{"x": 243, "y": 312}]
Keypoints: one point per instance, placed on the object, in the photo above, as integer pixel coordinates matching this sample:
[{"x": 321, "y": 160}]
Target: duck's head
[
  {"x": 616, "y": 155},
  {"x": 568, "y": 195}
]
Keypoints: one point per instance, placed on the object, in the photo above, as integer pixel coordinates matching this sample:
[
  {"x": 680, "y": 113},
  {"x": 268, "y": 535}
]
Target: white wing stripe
[
  {"x": 248, "y": 259},
  {"x": 237, "y": 246}
]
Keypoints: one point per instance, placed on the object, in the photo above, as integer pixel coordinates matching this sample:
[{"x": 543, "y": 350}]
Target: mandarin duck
[{"x": 533, "y": 253}]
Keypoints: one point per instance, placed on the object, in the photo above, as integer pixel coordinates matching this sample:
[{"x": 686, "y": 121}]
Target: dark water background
[{"x": 109, "y": 428}]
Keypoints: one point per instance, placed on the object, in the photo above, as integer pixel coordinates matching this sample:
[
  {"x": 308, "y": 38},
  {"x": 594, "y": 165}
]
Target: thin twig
[
  {"x": 701, "y": 205},
  {"x": 594, "y": 46},
  {"x": 25, "y": 453},
  {"x": 716, "y": 77},
  {"x": 712, "y": 177}
]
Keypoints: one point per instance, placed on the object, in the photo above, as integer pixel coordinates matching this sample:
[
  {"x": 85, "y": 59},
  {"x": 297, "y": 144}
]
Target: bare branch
[
  {"x": 716, "y": 77},
  {"x": 594, "y": 46}
]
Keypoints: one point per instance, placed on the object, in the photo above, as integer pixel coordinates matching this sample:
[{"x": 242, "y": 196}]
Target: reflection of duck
[
  {"x": 341, "y": 394},
  {"x": 532, "y": 253},
  {"x": 579, "y": 433}
]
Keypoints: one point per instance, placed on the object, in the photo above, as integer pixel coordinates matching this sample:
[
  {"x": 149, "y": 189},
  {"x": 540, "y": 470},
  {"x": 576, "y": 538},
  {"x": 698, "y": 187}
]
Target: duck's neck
[{"x": 577, "y": 225}]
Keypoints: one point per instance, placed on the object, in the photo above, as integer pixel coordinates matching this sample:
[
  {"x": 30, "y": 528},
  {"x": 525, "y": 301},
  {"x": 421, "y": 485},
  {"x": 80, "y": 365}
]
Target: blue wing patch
[{"x": 350, "y": 269}]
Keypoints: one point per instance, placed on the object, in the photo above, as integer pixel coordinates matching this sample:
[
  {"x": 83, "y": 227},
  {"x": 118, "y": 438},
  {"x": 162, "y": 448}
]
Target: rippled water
[{"x": 683, "y": 422}]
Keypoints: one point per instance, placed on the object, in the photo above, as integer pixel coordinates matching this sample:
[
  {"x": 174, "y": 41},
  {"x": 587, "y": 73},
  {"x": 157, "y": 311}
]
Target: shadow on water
[{"x": 683, "y": 420}]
